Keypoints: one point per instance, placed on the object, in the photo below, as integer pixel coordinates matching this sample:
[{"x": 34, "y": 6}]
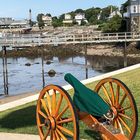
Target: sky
[{"x": 18, "y": 9}]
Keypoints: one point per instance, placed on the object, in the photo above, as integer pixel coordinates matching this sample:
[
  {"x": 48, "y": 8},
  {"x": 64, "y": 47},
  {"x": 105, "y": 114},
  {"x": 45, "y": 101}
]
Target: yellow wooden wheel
[
  {"x": 56, "y": 115},
  {"x": 117, "y": 95}
]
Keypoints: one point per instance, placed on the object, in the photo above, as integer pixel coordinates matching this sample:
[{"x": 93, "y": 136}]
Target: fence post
[
  {"x": 5, "y": 71},
  {"x": 42, "y": 60},
  {"x": 125, "y": 55},
  {"x": 86, "y": 67}
]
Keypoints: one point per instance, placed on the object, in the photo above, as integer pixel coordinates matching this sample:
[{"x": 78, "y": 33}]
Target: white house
[
  {"x": 19, "y": 24},
  {"x": 114, "y": 13},
  {"x": 79, "y": 17},
  {"x": 47, "y": 20},
  {"x": 5, "y": 22},
  {"x": 133, "y": 13},
  {"x": 99, "y": 15},
  {"x": 67, "y": 19},
  {"x": 11, "y": 23}
]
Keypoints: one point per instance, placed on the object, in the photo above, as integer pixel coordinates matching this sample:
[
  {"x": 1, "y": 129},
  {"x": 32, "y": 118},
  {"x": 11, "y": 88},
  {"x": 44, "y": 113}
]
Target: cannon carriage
[{"x": 109, "y": 109}]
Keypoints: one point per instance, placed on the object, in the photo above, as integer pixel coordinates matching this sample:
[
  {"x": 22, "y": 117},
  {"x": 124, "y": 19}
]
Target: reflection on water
[{"x": 24, "y": 79}]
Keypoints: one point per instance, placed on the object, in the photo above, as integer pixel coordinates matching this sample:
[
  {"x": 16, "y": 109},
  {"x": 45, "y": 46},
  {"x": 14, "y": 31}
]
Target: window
[{"x": 134, "y": 9}]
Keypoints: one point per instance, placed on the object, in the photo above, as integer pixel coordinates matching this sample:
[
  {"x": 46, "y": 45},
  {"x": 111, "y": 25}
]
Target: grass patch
[{"x": 22, "y": 119}]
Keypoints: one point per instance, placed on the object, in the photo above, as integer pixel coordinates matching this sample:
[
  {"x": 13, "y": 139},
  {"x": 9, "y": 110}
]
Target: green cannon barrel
[{"x": 85, "y": 99}]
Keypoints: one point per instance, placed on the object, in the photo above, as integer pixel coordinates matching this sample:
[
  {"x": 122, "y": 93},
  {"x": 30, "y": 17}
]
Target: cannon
[{"x": 109, "y": 109}]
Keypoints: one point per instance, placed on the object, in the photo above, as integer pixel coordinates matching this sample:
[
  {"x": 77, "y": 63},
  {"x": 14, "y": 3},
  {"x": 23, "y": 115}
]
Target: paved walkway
[{"x": 12, "y": 136}]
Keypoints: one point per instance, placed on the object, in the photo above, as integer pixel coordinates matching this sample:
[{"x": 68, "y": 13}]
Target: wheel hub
[
  {"x": 115, "y": 112},
  {"x": 52, "y": 123}
]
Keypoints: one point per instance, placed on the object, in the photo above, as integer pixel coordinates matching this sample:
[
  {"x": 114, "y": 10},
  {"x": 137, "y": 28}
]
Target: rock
[
  {"x": 37, "y": 63},
  {"x": 48, "y": 62},
  {"x": 27, "y": 64},
  {"x": 51, "y": 73}
]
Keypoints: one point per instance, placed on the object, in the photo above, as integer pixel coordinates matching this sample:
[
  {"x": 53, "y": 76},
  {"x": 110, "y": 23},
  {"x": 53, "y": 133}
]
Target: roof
[{"x": 5, "y": 21}]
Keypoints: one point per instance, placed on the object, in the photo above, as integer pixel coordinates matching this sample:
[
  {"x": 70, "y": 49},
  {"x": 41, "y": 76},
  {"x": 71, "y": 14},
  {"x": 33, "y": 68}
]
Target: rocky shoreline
[
  {"x": 73, "y": 50},
  {"x": 112, "y": 51}
]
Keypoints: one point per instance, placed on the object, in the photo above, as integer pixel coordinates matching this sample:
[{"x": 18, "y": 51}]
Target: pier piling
[
  {"x": 125, "y": 54},
  {"x": 5, "y": 70}
]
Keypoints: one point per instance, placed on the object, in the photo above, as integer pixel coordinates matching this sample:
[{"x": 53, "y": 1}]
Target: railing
[{"x": 36, "y": 39}]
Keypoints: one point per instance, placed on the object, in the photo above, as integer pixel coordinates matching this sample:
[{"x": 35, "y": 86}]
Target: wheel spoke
[
  {"x": 57, "y": 136},
  {"x": 115, "y": 124},
  {"x": 41, "y": 125},
  {"x": 112, "y": 93},
  {"x": 120, "y": 126},
  {"x": 122, "y": 100},
  {"x": 48, "y": 101},
  {"x": 45, "y": 107},
  {"x": 41, "y": 133},
  {"x": 58, "y": 105},
  {"x": 124, "y": 123},
  {"x": 117, "y": 95},
  {"x": 65, "y": 130},
  {"x": 45, "y": 137},
  {"x": 53, "y": 103},
  {"x": 52, "y": 136},
  {"x": 123, "y": 109},
  {"x": 61, "y": 135},
  {"x": 106, "y": 93},
  {"x": 63, "y": 111},
  {"x": 42, "y": 114},
  {"x": 125, "y": 116},
  {"x": 65, "y": 121}
]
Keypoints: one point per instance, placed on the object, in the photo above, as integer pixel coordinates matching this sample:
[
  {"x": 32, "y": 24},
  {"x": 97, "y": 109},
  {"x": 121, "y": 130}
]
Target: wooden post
[
  {"x": 86, "y": 68},
  {"x": 125, "y": 54},
  {"x": 43, "y": 78},
  {"x": 5, "y": 71}
]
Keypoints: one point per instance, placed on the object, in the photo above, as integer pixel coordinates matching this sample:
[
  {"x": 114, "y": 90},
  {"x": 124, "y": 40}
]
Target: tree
[
  {"x": 40, "y": 21},
  {"x": 79, "y": 11},
  {"x": 48, "y": 14},
  {"x": 56, "y": 22},
  {"x": 124, "y": 6},
  {"x": 106, "y": 12},
  {"x": 61, "y": 17},
  {"x": 83, "y": 22},
  {"x": 113, "y": 25}
]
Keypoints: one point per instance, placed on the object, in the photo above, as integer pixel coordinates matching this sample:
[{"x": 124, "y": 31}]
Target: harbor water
[{"x": 32, "y": 78}]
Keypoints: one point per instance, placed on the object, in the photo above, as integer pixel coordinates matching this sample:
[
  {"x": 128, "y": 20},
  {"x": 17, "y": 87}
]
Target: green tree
[
  {"x": 56, "y": 22},
  {"x": 40, "y": 21},
  {"x": 48, "y": 14},
  {"x": 91, "y": 14},
  {"x": 83, "y": 22},
  {"x": 79, "y": 11},
  {"x": 106, "y": 12},
  {"x": 124, "y": 6},
  {"x": 113, "y": 25},
  {"x": 61, "y": 17}
]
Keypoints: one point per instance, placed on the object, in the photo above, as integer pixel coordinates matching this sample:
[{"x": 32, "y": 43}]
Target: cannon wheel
[
  {"x": 56, "y": 115},
  {"x": 117, "y": 95}
]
